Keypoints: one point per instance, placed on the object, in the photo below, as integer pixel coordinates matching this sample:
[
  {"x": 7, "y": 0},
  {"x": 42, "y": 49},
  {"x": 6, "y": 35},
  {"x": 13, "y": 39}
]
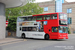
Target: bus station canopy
[{"x": 13, "y": 3}]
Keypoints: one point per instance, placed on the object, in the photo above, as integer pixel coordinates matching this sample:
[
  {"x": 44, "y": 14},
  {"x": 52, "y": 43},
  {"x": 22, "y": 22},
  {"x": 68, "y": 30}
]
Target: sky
[{"x": 50, "y": 0}]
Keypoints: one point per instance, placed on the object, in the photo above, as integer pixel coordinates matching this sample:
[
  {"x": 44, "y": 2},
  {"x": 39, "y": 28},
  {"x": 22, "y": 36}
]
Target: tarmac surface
[{"x": 38, "y": 44}]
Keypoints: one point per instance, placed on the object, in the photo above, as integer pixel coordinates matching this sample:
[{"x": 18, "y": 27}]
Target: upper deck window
[
  {"x": 54, "y": 16},
  {"x": 39, "y": 17},
  {"x": 20, "y": 19},
  {"x": 46, "y": 17},
  {"x": 34, "y": 18},
  {"x": 30, "y": 18},
  {"x": 63, "y": 16}
]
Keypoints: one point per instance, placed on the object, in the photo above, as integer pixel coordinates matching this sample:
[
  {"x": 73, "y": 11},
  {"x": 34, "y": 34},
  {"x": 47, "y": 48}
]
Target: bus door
[
  {"x": 20, "y": 30},
  {"x": 54, "y": 31}
]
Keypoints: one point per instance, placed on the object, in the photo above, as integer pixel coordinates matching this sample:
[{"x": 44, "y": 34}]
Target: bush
[
  {"x": 12, "y": 24},
  {"x": 69, "y": 32}
]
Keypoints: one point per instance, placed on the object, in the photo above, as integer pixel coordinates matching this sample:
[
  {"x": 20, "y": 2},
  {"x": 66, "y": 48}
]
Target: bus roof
[
  {"x": 26, "y": 16},
  {"x": 48, "y": 13}
]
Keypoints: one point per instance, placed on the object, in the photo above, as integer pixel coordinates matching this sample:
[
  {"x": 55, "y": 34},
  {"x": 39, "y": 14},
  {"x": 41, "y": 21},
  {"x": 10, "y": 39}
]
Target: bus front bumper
[{"x": 63, "y": 37}]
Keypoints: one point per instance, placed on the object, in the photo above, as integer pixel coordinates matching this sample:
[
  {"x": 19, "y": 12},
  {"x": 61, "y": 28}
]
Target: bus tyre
[
  {"x": 23, "y": 35},
  {"x": 47, "y": 37}
]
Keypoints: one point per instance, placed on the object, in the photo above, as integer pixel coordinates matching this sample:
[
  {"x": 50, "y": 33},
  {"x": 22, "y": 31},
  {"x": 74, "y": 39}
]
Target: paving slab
[{"x": 9, "y": 40}]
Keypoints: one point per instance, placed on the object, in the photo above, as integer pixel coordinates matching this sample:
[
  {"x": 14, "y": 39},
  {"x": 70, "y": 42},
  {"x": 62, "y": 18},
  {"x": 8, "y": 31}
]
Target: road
[{"x": 40, "y": 44}]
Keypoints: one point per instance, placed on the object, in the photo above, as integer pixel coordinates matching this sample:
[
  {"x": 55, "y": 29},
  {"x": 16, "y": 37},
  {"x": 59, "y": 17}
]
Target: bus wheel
[
  {"x": 23, "y": 35},
  {"x": 47, "y": 37}
]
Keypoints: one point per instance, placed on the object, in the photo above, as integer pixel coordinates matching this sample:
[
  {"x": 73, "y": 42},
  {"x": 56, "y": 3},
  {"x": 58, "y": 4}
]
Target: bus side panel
[
  {"x": 48, "y": 28},
  {"x": 39, "y": 35}
]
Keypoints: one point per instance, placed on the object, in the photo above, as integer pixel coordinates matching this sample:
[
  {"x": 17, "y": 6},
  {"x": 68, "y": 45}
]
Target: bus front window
[
  {"x": 63, "y": 16},
  {"x": 62, "y": 22},
  {"x": 63, "y": 29},
  {"x": 63, "y": 19}
]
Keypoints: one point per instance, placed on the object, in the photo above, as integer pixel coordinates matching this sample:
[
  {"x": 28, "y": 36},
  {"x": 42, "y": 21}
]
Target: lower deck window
[{"x": 29, "y": 28}]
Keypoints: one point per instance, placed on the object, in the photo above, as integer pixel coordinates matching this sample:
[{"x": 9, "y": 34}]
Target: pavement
[{"x": 10, "y": 39}]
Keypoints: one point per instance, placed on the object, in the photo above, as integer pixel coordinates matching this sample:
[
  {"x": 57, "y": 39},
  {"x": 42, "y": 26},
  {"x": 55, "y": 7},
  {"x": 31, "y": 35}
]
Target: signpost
[{"x": 6, "y": 23}]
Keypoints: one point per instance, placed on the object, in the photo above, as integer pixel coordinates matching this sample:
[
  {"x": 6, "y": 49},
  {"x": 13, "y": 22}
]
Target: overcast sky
[{"x": 50, "y": 0}]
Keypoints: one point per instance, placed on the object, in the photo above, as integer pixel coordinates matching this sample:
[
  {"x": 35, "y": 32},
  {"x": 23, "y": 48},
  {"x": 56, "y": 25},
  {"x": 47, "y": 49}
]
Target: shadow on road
[
  {"x": 46, "y": 40},
  {"x": 38, "y": 39}
]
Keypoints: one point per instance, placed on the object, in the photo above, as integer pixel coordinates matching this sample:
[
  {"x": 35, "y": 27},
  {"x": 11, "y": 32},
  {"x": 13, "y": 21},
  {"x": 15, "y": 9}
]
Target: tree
[
  {"x": 29, "y": 9},
  {"x": 12, "y": 23}
]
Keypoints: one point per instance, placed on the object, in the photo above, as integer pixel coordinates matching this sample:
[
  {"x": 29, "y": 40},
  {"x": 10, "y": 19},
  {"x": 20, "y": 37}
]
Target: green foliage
[
  {"x": 69, "y": 32},
  {"x": 29, "y": 9},
  {"x": 12, "y": 23}
]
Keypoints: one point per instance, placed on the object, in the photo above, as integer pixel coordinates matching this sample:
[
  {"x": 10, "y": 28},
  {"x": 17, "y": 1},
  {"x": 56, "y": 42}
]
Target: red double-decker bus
[{"x": 46, "y": 26}]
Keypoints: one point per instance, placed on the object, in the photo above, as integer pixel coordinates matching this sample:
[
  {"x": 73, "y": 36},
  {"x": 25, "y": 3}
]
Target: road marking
[{"x": 12, "y": 42}]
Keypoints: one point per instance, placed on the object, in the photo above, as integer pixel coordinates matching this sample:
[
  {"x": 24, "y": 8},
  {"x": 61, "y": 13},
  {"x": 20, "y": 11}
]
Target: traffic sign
[{"x": 6, "y": 23}]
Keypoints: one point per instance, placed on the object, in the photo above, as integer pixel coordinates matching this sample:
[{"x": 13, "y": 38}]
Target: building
[{"x": 67, "y": 7}]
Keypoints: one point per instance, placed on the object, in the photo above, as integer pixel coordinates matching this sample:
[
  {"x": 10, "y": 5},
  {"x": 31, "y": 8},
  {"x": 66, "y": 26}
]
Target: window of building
[
  {"x": 69, "y": 20},
  {"x": 45, "y": 8},
  {"x": 69, "y": 10},
  {"x": 39, "y": 17},
  {"x": 62, "y": 1},
  {"x": 46, "y": 17},
  {"x": 54, "y": 29},
  {"x": 54, "y": 16}
]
